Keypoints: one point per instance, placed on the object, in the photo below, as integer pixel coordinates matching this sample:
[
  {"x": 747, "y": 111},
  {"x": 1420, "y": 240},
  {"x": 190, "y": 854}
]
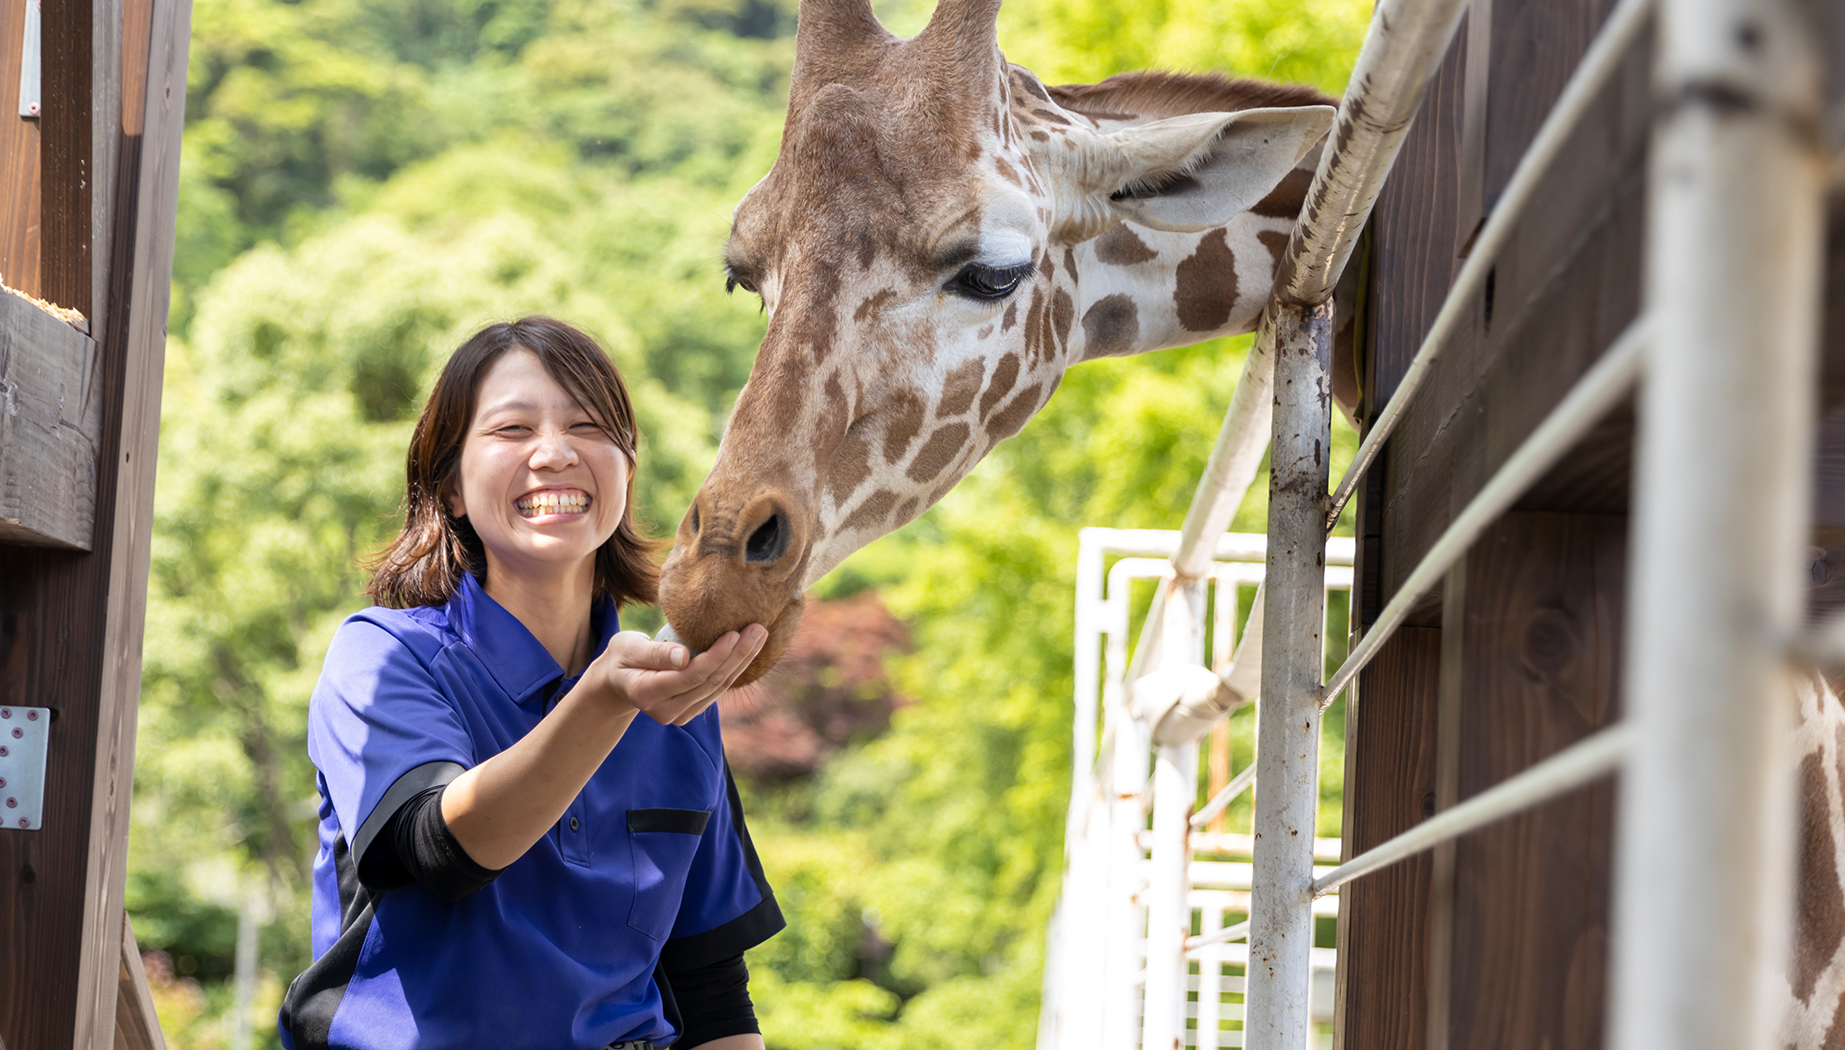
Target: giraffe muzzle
[{"x": 729, "y": 569}]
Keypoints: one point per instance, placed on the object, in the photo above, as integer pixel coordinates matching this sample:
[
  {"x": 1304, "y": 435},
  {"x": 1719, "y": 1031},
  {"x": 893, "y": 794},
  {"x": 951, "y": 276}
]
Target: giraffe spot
[
  {"x": 1069, "y": 264},
  {"x": 850, "y": 466},
  {"x": 906, "y": 419},
  {"x": 1006, "y": 172},
  {"x": 938, "y": 452},
  {"x": 1284, "y": 201},
  {"x": 1047, "y": 115},
  {"x": 959, "y": 388},
  {"x": 873, "y": 305},
  {"x": 1011, "y": 318},
  {"x": 1006, "y": 374},
  {"x": 1121, "y": 246},
  {"x": 986, "y": 332},
  {"x": 872, "y": 512},
  {"x": 1063, "y": 312},
  {"x": 906, "y": 510},
  {"x": 1819, "y": 900},
  {"x": 1110, "y": 326},
  {"x": 1207, "y": 285},
  {"x": 1039, "y": 136},
  {"x": 1037, "y": 328},
  {"x": 1276, "y": 241},
  {"x": 1011, "y": 419},
  {"x": 1030, "y": 83}
]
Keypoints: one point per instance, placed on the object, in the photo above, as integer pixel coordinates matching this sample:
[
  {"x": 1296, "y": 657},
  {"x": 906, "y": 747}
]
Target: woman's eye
[{"x": 989, "y": 283}]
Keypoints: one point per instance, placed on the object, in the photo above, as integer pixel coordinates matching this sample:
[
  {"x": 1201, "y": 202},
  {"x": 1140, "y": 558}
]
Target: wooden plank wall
[
  {"x": 71, "y": 622},
  {"x": 19, "y": 162}
]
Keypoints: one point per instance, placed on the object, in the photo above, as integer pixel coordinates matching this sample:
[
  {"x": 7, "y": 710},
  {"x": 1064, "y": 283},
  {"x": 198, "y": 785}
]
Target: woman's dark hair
[{"x": 423, "y": 565}]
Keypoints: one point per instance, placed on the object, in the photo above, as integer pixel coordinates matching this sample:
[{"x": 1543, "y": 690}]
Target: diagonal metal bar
[
  {"x": 1561, "y": 773},
  {"x": 1604, "y": 56},
  {"x": 1600, "y": 389}
]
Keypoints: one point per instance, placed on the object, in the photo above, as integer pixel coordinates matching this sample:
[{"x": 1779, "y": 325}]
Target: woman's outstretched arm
[{"x": 498, "y": 809}]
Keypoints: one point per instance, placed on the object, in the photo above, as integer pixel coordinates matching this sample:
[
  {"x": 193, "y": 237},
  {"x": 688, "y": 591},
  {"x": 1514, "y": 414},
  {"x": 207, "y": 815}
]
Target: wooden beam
[
  {"x": 137, "y": 1026},
  {"x": 19, "y": 162},
  {"x": 50, "y": 428},
  {"x": 65, "y": 148},
  {"x": 73, "y": 621}
]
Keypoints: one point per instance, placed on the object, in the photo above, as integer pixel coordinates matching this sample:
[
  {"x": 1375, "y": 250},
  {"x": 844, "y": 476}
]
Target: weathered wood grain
[
  {"x": 50, "y": 423},
  {"x": 19, "y": 162},
  {"x": 73, "y": 621},
  {"x": 136, "y": 1025},
  {"x": 1540, "y": 671},
  {"x": 1390, "y": 787}
]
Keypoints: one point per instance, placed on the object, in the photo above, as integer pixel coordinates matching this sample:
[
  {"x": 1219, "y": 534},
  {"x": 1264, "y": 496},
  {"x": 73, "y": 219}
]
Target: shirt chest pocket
[{"x": 664, "y": 842}]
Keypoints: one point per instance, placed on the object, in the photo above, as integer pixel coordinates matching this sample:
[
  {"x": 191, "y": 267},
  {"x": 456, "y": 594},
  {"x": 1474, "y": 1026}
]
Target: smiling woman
[{"x": 510, "y": 855}]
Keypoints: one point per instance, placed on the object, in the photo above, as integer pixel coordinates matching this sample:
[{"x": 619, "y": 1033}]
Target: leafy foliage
[{"x": 364, "y": 184}]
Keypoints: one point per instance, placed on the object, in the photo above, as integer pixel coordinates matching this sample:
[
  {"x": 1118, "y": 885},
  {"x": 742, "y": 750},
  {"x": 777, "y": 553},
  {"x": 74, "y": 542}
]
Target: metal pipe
[
  {"x": 1722, "y": 500},
  {"x": 1561, "y": 773},
  {"x": 1228, "y": 933},
  {"x": 1598, "y": 391},
  {"x": 1234, "y": 459},
  {"x": 1288, "y": 737},
  {"x": 1221, "y": 801},
  {"x": 1175, "y": 790},
  {"x": 1402, "y": 50},
  {"x": 1604, "y": 56}
]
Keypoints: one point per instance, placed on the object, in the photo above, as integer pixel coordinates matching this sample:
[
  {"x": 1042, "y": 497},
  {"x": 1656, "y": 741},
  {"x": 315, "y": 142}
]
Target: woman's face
[{"x": 541, "y": 483}]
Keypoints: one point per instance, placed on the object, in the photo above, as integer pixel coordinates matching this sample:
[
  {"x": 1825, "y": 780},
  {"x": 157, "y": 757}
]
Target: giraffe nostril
[
  {"x": 768, "y": 543},
  {"x": 694, "y": 519}
]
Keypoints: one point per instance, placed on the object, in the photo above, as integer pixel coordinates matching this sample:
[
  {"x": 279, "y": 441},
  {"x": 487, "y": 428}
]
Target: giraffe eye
[{"x": 989, "y": 283}]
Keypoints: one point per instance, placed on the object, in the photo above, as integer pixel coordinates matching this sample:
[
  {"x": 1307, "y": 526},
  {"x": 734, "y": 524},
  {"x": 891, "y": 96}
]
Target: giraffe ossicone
[{"x": 940, "y": 237}]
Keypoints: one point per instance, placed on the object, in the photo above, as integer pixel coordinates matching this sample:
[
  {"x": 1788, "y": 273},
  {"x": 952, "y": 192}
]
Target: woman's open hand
[{"x": 657, "y": 679}]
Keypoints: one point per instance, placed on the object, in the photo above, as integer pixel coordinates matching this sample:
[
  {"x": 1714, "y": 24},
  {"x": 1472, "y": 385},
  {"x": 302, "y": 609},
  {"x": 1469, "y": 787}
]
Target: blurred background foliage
[{"x": 366, "y": 182}]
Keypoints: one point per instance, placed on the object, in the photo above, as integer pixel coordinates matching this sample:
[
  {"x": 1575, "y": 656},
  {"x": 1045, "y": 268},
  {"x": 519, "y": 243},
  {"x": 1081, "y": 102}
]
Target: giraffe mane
[{"x": 1153, "y": 94}]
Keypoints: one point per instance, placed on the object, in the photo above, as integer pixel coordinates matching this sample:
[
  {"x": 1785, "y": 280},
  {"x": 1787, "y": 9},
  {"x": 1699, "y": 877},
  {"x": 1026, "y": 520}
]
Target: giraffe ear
[{"x": 1191, "y": 173}]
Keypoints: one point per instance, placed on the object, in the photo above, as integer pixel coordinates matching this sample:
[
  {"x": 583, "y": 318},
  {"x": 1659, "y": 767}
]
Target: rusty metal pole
[
  {"x": 1288, "y": 734},
  {"x": 1736, "y": 223}
]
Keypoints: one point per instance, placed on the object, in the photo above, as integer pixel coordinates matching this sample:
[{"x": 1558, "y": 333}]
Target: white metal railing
[{"x": 1736, "y": 188}]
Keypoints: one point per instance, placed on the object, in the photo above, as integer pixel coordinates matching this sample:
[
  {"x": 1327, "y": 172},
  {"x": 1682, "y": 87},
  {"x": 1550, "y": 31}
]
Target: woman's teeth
[{"x": 553, "y": 503}]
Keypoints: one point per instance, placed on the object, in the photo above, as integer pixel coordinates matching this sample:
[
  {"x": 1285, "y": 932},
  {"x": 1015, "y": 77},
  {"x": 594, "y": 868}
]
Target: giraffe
[
  {"x": 1813, "y": 986},
  {"x": 940, "y": 237}
]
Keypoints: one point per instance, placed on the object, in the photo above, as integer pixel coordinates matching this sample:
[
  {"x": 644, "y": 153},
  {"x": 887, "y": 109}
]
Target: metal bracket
[
  {"x": 24, "y": 732},
  {"x": 29, "y": 95}
]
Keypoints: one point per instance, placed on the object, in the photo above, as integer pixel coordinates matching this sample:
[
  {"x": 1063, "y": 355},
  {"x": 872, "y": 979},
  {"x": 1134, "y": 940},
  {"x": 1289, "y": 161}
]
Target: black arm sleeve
[
  {"x": 713, "y": 1001},
  {"x": 415, "y": 845}
]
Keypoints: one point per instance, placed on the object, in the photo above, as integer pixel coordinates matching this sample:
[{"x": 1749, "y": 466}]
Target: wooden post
[{"x": 71, "y": 622}]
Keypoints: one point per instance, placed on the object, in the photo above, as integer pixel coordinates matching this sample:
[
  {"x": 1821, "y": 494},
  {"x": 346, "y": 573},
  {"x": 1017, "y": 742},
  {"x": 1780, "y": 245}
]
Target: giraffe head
[{"x": 939, "y": 238}]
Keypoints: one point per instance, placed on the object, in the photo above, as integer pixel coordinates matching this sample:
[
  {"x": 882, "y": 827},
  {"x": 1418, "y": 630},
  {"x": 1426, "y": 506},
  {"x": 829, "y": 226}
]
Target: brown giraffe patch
[
  {"x": 1819, "y": 899},
  {"x": 1284, "y": 201},
  {"x": 986, "y": 332},
  {"x": 1121, "y": 246},
  {"x": 1276, "y": 241},
  {"x": 939, "y": 452},
  {"x": 850, "y": 466},
  {"x": 1006, "y": 172},
  {"x": 959, "y": 388},
  {"x": 1069, "y": 264},
  {"x": 1110, "y": 326},
  {"x": 906, "y": 418},
  {"x": 906, "y": 510},
  {"x": 1039, "y": 136},
  {"x": 1207, "y": 284},
  {"x": 873, "y": 305},
  {"x": 1011, "y": 318},
  {"x": 1011, "y": 419},
  {"x": 872, "y": 512},
  {"x": 1063, "y": 312},
  {"x": 1035, "y": 334},
  {"x": 1004, "y": 375}
]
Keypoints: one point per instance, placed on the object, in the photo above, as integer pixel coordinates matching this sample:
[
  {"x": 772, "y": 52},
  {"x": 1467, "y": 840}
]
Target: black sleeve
[
  {"x": 745, "y": 931},
  {"x": 415, "y": 845},
  {"x": 713, "y": 1001}
]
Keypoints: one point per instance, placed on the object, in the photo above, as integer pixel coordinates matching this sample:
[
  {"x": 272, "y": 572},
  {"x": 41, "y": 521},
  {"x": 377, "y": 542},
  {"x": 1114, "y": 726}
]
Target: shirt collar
[{"x": 508, "y": 650}]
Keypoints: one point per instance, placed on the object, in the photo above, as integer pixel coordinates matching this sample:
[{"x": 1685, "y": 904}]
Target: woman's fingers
[
  {"x": 636, "y": 650},
  {"x": 749, "y": 643}
]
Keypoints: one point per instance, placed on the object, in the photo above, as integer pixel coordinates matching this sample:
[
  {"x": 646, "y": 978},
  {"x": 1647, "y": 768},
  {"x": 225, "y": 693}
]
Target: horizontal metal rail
[
  {"x": 1221, "y": 801},
  {"x": 1598, "y": 391},
  {"x": 1598, "y": 64},
  {"x": 1561, "y": 773}
]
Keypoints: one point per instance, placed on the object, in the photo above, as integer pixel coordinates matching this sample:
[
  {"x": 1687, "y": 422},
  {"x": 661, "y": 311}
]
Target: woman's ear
[{"x": 451, "y": 498}]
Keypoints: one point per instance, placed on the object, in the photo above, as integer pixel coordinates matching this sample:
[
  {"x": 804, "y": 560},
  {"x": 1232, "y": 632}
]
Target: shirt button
[{"x": 573, "y": 823}]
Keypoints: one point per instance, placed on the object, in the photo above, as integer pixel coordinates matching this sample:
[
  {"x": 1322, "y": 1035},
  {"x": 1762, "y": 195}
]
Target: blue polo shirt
[{"x": 651, "y": 861}]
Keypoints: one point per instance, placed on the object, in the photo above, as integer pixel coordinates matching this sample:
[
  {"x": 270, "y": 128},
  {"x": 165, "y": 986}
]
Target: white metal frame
[{"x": 1736, "y": 195}]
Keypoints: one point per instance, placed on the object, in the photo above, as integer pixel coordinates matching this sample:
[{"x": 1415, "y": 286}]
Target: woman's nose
[{"x": 554, "y": 450}]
